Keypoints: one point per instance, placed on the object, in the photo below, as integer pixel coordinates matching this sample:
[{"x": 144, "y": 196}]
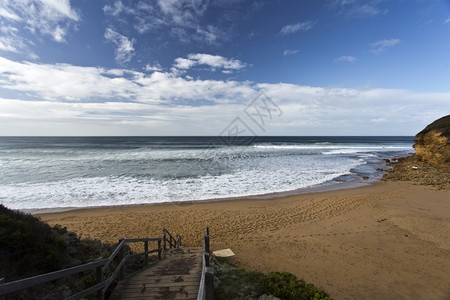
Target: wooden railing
[
  {"x": 206, "y": 288},
  {"x": 101, "y": 266},
  {"x": 173, "y": 242}
]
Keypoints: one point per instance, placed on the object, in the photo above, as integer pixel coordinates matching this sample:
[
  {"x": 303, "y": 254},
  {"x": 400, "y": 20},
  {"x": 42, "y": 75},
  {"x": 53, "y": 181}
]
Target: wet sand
[{"x": 386, "y": 241}]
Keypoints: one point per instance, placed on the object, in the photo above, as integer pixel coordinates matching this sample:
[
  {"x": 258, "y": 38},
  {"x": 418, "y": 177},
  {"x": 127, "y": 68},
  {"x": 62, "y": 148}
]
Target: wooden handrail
[
  {"x": 206, "y": 288},
  {"x": 114, "y": 254},
  {"x": 100, "y": 265},
  {"x": 173, "y": 243},
  {"x": 11, "y": 287}
]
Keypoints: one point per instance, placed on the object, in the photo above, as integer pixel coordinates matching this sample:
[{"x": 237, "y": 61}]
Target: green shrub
[
  {"x": 31, "y": 247},
  {"x": 237, "y": 283},
  {"x": 28, "y": 246},
  {"x": 286, "y": 286}
]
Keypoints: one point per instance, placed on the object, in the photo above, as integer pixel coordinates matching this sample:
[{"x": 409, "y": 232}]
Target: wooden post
[
  {"x": 178, "y": 241},
  {"x": 100, "y": 295},
  {"x": 146, "y": 253},
  {"x": 207, "y": 250},
  {"x": 121, "y": 256},
  {"x": 207, "y": 259},
  {"x": 164, "y": 239},
  {"x": 209, "y": 283},
  {"x": 2, "y": 281},
  {"x": 159, "y": 249},
  {"x": 207, "y": 243}
]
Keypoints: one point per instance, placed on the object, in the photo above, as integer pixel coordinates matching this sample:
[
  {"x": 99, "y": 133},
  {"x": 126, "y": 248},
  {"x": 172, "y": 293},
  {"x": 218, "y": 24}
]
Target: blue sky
[{"x": 191, "y": 67}]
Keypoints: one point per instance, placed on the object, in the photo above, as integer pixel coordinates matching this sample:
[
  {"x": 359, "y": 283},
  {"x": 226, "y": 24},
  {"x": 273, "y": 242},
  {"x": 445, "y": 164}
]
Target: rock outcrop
[
  {"x": 431, "y": 163},
  {"x": 432, "y": 144}
]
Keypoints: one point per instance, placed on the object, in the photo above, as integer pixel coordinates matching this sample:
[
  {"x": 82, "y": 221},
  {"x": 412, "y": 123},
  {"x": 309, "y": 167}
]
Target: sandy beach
[{"x": 390, "y": 240}]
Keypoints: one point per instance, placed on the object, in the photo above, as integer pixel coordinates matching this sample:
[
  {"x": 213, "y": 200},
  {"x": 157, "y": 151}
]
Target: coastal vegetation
[
  {"x": 233, "y": 282},
  {"x": 31, "y": 247}
]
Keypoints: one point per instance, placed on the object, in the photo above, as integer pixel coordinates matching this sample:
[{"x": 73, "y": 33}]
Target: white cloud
[
  {"x": 124, "y": 46},
  {"x": 357, "y": 9},
  {"x": 58, "y": 34},
  {"x": 115, "y": 9},
  {"x": 154, "y": 67},
  {"x": 183, "y": 63},
  {"x": 73, "y": 83},
  {"x": 62, "y": 81},
  {"x": 447, "y": 21},
  {"x": 290, "y": 52},
  {"x": 379, "y": 120},
  {"x": 71, "y": 100},
  {"x": 47, "y": 17},
  {"x": 304, "y": 26},
  {"x": 57, "y": 9},
  {"x": 346, "y": 59},
  {"x": 5, "y": 13},
  {"x": 8, "y": 44},
  {"x": 11, "y": 41},
  {"x": 210, "y": 34},
  {"x": 363, "y": 10},
  {"x": 183, "y": 18},
  {"x": 381, "y": 46},
  {"x": 213, "y": 61},
  {"x": 183, "y": 12}
]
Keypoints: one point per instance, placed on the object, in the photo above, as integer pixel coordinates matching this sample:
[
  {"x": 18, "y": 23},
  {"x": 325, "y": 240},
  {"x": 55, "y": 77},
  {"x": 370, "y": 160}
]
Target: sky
[{"x": 205, "y": 67}]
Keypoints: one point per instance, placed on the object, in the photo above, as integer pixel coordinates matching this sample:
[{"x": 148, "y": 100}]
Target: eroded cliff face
[
  {"x": 432, "y": 144},
  {"x": 431, "y": 163}
]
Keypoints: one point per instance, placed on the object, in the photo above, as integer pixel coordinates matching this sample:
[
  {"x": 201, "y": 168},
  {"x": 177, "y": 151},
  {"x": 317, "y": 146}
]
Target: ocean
[{"x": 72, "y": 172}]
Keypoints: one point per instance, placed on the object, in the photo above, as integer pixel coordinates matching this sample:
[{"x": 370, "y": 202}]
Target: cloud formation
[
  {"x": 292, "y": 28},
  {"x": 347, "y": 58},
  {"x": 213, "y": 61},
  {"x": 380, "y": 46},
  {"x": 124, "y": 46},
  {"x": 290, "y": 52},
  {"x": 183, "y": 19},
  {"x": 92, "y": 100},
  {"x": 154, "y": 67},
  {"x": 47, "y": 17},
  {"x": 357, "y": 9}
]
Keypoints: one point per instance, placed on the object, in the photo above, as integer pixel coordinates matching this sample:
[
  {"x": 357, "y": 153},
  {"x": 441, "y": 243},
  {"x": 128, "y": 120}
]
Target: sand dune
[{"x": 387, "y": 241}]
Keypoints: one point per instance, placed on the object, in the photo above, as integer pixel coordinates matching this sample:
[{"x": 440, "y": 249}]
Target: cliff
[
  {"x": 432, "y": 144},
  {"x": 431, "y": 163}
]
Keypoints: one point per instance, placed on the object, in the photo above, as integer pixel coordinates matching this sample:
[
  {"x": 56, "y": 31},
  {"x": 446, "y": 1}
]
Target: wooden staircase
[
  {"x": 176, "y": 276},
  {"x": 179, "y": 273}
]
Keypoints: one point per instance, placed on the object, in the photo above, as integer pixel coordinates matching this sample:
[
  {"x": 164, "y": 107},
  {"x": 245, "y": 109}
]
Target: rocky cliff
[
  {"x": 432, "y": 144},
  {"x": 431, "y": 163}
]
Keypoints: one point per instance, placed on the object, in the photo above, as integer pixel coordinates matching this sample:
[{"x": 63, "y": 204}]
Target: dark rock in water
[
  {"x": 432, "y": 144},
  {"x": 365, "y": 177}
]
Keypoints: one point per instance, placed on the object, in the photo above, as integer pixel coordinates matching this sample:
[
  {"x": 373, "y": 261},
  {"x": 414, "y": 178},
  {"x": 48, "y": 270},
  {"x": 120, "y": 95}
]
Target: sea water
[{"x": 62, "y": 172}]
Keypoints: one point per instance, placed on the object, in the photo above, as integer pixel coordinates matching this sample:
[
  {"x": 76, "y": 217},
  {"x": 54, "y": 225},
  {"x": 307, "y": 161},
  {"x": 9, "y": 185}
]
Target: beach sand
[{"x": 390, "y": 240}]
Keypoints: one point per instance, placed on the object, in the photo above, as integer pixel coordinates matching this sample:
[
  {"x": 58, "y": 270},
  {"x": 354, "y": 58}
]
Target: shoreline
[
  {"x": 351, "y": 159},
  {"x": 327, "y": 187},
  {"x": 389, "y": 240}
]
